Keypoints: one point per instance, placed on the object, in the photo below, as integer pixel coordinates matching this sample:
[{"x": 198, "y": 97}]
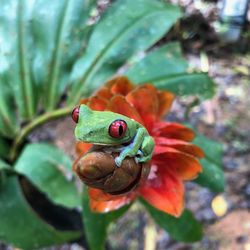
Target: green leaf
[
  {"x": 185, "y": 228},
  {"x": 187, "y": 84},
  {"x": 40, "y": 40},
  {"x": 4, "y": 148},
  {"x": 127, "y": 27},
  {"x": 158, "y": 63},
  {"x": 212, "y": 149},
  {"x": 21, "y": 226},
  {"x": 5, "y": 169},
  {"x": 4, "y": 165},
  {"x": 96, "y": 224},
  {"x": 27, "y": 88},
  {"x": 16, "y": 54},
  {"x": 8, "y": 121},
  {"x": 60, "y": 34},
  {"x": 166, "y": 68},
  {"x": 212, "y": 175},
  {"x": 49, "y": 169}
]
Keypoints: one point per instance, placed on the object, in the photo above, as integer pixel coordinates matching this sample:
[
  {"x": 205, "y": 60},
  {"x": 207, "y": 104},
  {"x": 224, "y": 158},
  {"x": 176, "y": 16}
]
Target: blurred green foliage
[{"x": 49, "y": 49}]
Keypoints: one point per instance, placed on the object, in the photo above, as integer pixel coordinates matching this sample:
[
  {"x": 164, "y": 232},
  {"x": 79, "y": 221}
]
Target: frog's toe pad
[{"x": 118, "y": 161}]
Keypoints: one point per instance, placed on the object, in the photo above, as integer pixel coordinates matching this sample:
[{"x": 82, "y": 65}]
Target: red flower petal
[
  {"x": 144, "y": 99},
  {"x": 108, "y": 206},
  {"x": 102, "y": 202},
  {"x": 104, "y": 92},
  {"x": 120, "y": 85},
  {"x": 118, "y": 104},
  {"x": 84, "y": 101},
  {"x": 180, "y": 145},
  {"x": 100, "y": 195},
  {"x": 165, "y": 192},
  {"x": 173, "y": 130},
  {"x": 82, "y": 148},
  {"x": 184, "y": 165},
  {"x": 97, "y": 103},
  {"x": 165, "y": 99}
]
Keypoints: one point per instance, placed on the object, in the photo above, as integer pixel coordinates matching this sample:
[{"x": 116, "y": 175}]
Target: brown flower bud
[{"x": 97, "y": 169}]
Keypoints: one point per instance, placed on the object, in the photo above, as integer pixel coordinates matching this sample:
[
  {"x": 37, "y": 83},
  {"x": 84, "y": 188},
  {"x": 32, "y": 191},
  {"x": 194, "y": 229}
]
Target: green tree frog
[{"x": 117, "y": 133}]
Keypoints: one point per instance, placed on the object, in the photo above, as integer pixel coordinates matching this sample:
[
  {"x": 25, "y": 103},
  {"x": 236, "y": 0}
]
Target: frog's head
[{"x": 103, "y": 127}]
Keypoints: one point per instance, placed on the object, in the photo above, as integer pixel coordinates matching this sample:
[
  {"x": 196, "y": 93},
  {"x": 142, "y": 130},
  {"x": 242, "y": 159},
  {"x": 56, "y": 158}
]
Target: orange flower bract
[{"x": 174, "y": 160}]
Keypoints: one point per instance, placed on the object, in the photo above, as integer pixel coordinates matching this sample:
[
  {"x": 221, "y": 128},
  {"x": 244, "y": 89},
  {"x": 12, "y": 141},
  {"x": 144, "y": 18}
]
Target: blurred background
[{"x": 210, "y": 44}]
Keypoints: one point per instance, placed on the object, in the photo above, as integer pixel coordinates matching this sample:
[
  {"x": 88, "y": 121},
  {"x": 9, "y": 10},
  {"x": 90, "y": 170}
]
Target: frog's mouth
[
  {"x": 110, "y": 148},
  {"x": 107, "y": 148},
  {"x": 111, "y": 144}
]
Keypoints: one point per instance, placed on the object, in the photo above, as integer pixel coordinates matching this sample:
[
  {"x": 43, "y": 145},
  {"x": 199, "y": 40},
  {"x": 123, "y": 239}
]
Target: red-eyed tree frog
[{"x": 117, "y": 133}]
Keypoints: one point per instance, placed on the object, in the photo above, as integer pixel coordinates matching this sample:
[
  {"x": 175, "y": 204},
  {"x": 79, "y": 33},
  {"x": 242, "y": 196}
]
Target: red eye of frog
[
  {"x": 117, "y": 128},
  {"x": 75, "y": 114}
]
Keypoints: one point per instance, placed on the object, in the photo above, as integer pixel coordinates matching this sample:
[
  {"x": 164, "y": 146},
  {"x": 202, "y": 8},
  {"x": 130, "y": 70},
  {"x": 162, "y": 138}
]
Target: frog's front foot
[
  {"x": 138, "y": 158},
  {"x": 118, "y": 161}
]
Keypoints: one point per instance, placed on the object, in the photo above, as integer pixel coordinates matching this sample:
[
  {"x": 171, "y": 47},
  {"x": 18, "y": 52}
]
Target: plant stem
[{"x": 25, "y": 131}]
